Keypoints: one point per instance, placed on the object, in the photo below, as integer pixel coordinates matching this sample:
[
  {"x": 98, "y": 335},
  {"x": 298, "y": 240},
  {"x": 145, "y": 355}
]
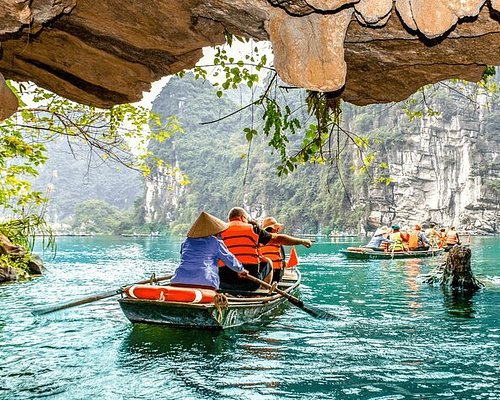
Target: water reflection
[
  {"x": 412, "y": 270},
  {"x": 186, "y": 363},
  {"x": 150, "y": 341},
  {"x": 459, "y": 303}
]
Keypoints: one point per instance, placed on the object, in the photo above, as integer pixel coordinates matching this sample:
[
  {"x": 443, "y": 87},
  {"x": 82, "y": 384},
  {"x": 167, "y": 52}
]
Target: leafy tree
[
  {"x": 97, "y": 216},
  {"x": 44, "y": 117}
]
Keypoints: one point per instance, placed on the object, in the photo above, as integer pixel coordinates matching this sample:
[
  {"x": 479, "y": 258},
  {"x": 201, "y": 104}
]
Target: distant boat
[
  {"x": 237, "y": 308},
  {"x": 364, "y": 253},
  {"x": 152, "y": 234}
]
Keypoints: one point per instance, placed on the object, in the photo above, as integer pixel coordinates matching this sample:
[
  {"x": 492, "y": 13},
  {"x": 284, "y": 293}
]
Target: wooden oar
[
  {"x": 95, "y": 297},
  {"x": 316, "y": 313}
]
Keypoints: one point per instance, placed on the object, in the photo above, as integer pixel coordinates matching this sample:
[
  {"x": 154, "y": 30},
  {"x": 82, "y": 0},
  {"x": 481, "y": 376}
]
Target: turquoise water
[{"x": 395, "y": 337}]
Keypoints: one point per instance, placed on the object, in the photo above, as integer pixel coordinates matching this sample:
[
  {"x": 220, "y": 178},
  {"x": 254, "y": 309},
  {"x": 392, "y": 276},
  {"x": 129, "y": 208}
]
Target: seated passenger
[
  {"x": 244, "y": 238},
  {"x": 442, "y": 238},
  {"x": 452, "y": 238},
  {"x": 378, "y": 238},
  {"x": 433, "y": 236},
  {"x": 417, "y": 240},
  {"x": 200, "y": 253},
  {"x": 397, "y": 238},
  {"x": 275, "y": 252}
]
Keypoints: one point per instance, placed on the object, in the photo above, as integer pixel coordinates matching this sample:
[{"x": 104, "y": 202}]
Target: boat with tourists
[
  {"x": 203, "y": 308},
  {"x": 365, "y": 253}
]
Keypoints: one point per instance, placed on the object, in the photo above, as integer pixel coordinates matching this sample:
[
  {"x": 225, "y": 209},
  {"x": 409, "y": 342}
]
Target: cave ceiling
[{"x": 367, "y": 51}]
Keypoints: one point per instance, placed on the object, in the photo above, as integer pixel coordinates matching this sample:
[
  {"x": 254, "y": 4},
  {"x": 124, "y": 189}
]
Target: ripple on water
[{"x": 395, "y": 338}]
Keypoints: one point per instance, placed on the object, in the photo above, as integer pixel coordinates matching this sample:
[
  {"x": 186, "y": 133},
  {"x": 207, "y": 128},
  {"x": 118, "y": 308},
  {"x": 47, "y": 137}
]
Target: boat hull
[
  {"x": 237, "y": 311},
  {"x": 362, "y": 254}
]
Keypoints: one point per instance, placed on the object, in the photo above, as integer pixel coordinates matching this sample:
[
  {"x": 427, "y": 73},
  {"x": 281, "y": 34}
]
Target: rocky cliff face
[
  {"x": 367, "y": 51},
  {"x": 446, "y": 169}
]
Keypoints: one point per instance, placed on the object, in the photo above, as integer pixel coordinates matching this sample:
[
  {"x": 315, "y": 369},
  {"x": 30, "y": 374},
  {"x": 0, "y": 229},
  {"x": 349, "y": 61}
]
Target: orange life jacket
[
  {"x": 442, "y": 240},
  {"x": 274, "y": 253},
  {"x": 242, "y": 241},
  {"x": 452, "y": 238},
  {"x": 413, "y": 240}
]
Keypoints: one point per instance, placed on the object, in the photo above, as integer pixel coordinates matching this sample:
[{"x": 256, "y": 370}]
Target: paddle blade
[
  {"x": 312, "y": 311},
  {"x": 317, "y": 313},
  {"x": 293, "y": 260}
]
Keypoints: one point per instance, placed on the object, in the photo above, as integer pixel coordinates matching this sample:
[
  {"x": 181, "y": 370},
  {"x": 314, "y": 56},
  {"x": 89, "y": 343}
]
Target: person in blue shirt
[
  {"x": 200, "y": 253},
  {"x": 378, "y": 238}
]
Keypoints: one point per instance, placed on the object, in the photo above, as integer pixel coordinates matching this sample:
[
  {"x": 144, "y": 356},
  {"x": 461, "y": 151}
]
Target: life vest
[
  {"x": 384, "y": 246},
  {"x": 442, "y": 240},
  {"x": 274, "y": 253},
  {"x": 398, "y": 242},
  {"x": 171, "y": 293},
  {"x": 243, "y": 242},
  {"x": 452, "y": 238},
  {"x": 413, "y": 241}
]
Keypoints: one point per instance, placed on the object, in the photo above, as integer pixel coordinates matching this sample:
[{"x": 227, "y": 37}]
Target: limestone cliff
[{"x": 445, "y": 166}]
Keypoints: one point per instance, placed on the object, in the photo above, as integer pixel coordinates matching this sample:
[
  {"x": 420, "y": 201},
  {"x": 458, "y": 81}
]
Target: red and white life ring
[{"x": 171, "y": 293}]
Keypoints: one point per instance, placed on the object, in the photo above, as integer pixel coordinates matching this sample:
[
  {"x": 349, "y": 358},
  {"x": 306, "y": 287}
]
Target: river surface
[{"x": 395, "y": 337}]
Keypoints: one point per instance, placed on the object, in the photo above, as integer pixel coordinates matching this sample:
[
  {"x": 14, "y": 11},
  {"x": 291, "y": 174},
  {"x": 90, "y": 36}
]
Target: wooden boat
[
  {"x": 364, "y": 253},
  {"x": 229, "y": 309}
]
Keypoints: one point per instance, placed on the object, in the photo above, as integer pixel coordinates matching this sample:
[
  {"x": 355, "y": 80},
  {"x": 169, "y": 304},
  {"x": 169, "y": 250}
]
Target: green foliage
[
  {"x": 19, "y": 160},
  {"x": 321, "y": 140},
  {"x": 20, "y": 264},
  {"x": 44, "y": 117},
  {"x": 106, "y": 132},
  {"x": 417, "y": 107},
  {"x": 488, "y": 81},
  {"x": 23, "y": 231},
  {"x": 97, "y": 216},
  {"x": 493, "y": 186},
  {"x": 211, "y": 154}
]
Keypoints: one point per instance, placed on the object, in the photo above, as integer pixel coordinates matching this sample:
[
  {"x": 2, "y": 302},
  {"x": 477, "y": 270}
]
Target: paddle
[
  {"x": 316, "y": 313},
  {"x": 95, "y": 297}
]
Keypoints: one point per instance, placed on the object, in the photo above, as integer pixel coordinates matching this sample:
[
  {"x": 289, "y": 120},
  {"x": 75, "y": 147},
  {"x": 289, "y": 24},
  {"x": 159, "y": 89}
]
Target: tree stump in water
[{"x": 456, "y": 273}]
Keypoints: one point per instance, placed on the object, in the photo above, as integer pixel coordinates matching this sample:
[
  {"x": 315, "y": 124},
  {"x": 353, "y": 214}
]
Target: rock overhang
[{"x": 368, "y": 51}]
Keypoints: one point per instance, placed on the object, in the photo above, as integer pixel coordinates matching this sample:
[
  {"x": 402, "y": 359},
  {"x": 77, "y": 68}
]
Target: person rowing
[
  {"x": 378, "y": 238},
  {"x": 200, "y": 253}
]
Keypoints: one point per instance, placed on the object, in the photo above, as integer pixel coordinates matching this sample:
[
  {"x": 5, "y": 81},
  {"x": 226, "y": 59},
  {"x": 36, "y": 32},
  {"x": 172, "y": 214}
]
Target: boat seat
[{"x": 259, "y": 292}]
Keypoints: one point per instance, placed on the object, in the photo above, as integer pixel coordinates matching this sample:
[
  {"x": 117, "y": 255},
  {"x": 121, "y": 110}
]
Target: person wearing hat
[
  {"x": 274, "y": 252},
  {"x": 417, "y": 240},
  {"x": 200, "y": 253},
  {"x": 378, "y": 238},
  {"x": 244, "y": 238},
  {"x": 397, "y": 238}
]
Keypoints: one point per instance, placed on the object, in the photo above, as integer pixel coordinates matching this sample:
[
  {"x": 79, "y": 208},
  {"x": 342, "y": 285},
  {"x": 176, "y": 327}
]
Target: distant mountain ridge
[{"x": 74, "y": 180}]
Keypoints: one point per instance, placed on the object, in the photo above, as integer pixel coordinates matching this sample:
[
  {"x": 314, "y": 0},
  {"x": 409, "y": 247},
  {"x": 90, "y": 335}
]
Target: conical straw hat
[
  {"x": 206, "y": 225},
  {"x": 381, "y": 231}
]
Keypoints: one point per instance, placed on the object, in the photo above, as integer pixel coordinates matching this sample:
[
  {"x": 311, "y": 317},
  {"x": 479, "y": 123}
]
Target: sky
[{"x": 238, "y": 50}]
